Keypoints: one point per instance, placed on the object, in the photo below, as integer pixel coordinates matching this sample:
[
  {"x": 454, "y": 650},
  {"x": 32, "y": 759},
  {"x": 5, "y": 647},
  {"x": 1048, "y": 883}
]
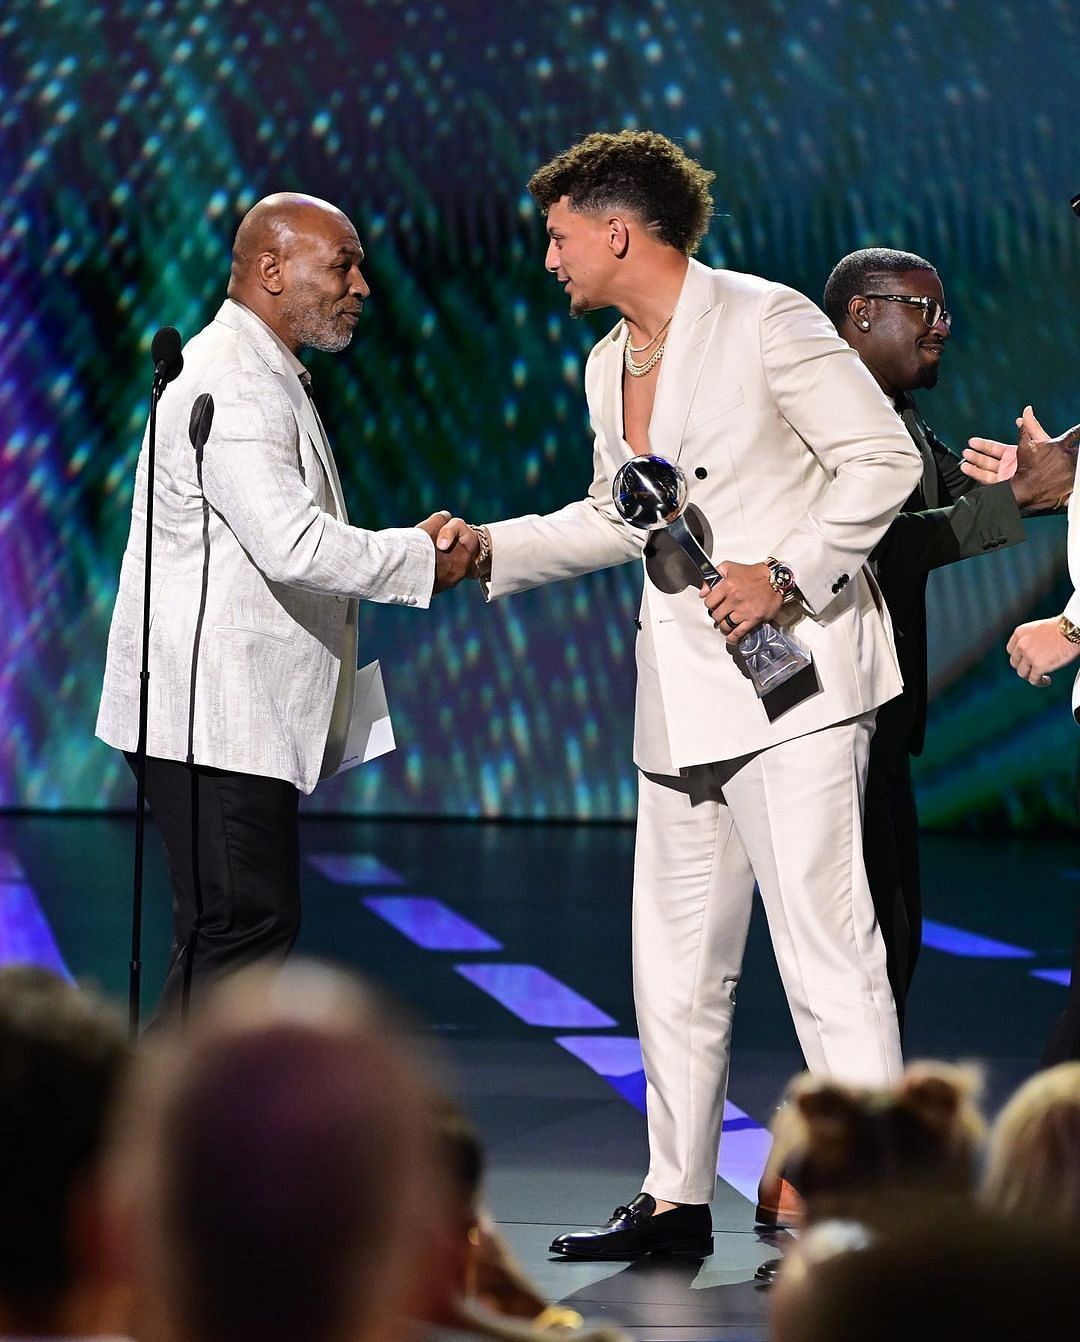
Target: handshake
[
  {"x": 1041, "y": 470},
  {"x": 457, "y": 549}
]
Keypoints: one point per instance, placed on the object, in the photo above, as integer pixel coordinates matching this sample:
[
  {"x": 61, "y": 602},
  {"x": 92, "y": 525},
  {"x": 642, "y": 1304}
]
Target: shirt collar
[{"x": 291, "y": 361}]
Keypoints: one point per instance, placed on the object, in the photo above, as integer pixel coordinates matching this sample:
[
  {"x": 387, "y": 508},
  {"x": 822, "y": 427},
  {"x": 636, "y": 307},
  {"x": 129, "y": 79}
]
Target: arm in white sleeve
[
  {"x": 252, "y": 477},
  {"x": 829, "y": 398}
]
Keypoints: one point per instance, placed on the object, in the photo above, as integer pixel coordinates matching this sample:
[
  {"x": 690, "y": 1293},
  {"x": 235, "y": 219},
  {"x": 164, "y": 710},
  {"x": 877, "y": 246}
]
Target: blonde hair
[{"x": 1034, "y": 1166}]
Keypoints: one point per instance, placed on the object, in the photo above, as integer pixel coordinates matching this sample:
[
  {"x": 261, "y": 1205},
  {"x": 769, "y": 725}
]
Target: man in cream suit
[
  {"x": 256, "y": 575},
  {"x": 797, "y": 465}
]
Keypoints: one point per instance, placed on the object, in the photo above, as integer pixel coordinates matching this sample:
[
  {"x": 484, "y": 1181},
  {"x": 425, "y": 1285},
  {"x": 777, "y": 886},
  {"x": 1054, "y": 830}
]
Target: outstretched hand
[
  {"x": 1041, "y": 469},
  {"x": 456, "y": 548},
  {"x": 988, "y": 462}
]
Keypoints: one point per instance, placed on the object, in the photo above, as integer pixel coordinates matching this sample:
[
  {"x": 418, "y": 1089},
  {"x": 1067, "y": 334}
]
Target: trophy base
[{"x": 770, "y": 658}]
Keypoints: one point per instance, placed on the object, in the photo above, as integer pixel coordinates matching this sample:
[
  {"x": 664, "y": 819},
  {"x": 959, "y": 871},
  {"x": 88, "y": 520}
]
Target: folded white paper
[{"x": 371, "y": 733}]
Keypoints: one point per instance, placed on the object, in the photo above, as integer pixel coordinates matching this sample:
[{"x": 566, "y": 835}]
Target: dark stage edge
[{"x": 564, "y": 1146}]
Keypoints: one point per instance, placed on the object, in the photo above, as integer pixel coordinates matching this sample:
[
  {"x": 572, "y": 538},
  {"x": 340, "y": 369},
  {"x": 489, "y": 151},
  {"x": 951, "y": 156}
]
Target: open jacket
[
  {"x": 255, "y": 572},
  {"x": 792, "y": 451}
]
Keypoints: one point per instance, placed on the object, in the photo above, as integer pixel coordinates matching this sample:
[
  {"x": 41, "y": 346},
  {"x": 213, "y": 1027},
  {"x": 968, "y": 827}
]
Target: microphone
[
  {"x": 202, "y": 417},
  {"x": 165, "y": 352}
]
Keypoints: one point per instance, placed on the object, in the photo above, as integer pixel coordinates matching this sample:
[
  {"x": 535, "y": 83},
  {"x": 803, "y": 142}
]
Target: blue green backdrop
[{"x": 132, "y": 137}]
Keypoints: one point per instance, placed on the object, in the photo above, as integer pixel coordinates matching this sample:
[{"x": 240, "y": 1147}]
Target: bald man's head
[
  {"x": 273, "y": 1172},
  {"x": 296, "y": 264}
]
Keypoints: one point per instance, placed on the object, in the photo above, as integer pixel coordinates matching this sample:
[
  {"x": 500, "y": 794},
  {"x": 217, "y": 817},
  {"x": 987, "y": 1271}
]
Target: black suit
[{"x": 948, "y": 517}]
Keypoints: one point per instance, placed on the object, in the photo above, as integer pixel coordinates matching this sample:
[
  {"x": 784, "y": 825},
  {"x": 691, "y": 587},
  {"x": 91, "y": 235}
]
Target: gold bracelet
[
  {"x": 482, "y": 562},
  {"x": 1068, "y": 630}
]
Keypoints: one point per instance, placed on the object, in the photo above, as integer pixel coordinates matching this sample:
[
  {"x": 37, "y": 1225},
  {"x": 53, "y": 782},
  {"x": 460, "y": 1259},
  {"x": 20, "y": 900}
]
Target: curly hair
[
  {"x": 636, "y": 170},
  {"x": 852, "y": 275}
]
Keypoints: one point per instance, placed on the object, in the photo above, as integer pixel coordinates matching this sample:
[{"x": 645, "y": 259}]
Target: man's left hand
[
  {"x": 1038, "y": 648},
  {"x": 744, "y": 601}
]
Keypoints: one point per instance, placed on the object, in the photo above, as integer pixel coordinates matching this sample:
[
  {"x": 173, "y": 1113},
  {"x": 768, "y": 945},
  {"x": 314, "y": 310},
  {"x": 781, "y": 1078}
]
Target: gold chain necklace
[{"x": 640, "y": 349}]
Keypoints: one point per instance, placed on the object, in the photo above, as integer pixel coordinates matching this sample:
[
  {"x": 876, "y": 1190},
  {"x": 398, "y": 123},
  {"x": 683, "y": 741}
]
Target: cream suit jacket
[
  {"x": 269, "y": 560},
  {"x": 791, "y": 450},
  {"x": 1072, "y": 609}
]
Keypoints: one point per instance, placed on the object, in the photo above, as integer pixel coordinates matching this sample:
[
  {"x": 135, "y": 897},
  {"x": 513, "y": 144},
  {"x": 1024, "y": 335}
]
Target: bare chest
[{"x": 638, "y": 395}]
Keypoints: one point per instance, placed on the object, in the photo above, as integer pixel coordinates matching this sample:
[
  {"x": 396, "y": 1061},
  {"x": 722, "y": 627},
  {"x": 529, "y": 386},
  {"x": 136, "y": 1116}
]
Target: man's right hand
[
  {"x": 456, "y": 548},
  {"x": 1040, "y": 469}
]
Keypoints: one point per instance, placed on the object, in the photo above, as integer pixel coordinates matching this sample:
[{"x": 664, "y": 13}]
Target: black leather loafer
[{"x": 634, "y": 1231}]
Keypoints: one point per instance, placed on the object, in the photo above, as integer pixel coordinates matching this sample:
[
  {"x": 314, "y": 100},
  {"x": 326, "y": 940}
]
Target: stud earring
[{"x": 865, "y": 325}]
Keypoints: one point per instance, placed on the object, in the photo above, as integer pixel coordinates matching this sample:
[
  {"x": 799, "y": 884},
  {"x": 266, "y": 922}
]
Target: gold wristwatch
[{"x": 1068, "y": 630}]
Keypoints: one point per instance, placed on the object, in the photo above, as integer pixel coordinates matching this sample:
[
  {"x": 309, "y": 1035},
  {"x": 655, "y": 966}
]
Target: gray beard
[
  {"x": 313, "y": 331},
  {"x": 324, "y": 336}
]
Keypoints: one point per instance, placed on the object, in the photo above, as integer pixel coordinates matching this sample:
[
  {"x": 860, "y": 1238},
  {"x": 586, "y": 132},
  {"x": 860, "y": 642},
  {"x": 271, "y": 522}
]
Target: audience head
[
  {"x": 1033, "y": 1172},
  {"x": 62, "y": 1055},
  {"x": 859, "y": 1152},
  {"x": 484, "y": 1282},
  {"x": 273, "y": 1167},
  {"x": 890, "y": 307},
  {"x": 937, "y": 1278}
]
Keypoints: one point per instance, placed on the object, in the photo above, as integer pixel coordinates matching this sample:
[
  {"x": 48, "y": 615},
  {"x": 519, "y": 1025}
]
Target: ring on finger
[{"x": 730, "y": 621}]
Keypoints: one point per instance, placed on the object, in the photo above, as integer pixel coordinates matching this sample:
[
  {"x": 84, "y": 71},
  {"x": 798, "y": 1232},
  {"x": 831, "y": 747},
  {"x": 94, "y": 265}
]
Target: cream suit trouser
[{"x": 791, "y": 818}]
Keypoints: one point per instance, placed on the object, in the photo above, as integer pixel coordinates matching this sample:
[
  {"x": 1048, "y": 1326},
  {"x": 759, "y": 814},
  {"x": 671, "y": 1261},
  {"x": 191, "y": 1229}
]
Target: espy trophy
[{"x": 651, "y": 493}]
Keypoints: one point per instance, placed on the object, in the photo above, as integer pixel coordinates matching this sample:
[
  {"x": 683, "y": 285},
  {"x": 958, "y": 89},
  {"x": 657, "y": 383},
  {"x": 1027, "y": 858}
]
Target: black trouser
[
  {"x": 232, "y": 841},
  {"x": 891, "y": 852},
  {"x": 1064, "y": 1042}
]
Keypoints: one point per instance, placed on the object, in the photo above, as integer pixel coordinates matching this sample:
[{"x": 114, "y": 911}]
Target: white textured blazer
[
  {"x": 791, "y": 450},
  {"x": 264, "y": 551}
]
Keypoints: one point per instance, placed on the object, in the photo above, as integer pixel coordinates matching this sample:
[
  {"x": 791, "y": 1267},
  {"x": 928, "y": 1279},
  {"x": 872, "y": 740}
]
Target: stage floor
[{"x": 511, "y": 945}]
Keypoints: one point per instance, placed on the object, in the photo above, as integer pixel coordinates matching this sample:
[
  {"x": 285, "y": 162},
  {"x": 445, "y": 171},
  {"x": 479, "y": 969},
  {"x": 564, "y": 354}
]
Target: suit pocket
[
  {"x": 708, "y": 407},
  {"x": 246, "y": 630}
]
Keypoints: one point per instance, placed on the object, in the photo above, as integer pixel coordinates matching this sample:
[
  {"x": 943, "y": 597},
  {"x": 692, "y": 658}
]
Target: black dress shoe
[{"x": 635, "y": 1231}]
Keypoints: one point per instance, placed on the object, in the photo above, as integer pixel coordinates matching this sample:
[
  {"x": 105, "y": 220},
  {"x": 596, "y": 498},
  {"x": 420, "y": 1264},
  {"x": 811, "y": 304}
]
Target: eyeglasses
[{"x": 932, "y": 310}]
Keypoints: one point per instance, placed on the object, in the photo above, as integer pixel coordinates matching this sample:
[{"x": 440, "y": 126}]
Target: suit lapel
[
  {"x": 917, "y": 432},
  {"x": 310, "y": 425},
  {"x": 321, "y": 444},
  {"x": 235, "y": 315},
  {"x": 609, "y": 415},
  {"x": 692, "y": 326},
  {"x": 689, "y": 336}
]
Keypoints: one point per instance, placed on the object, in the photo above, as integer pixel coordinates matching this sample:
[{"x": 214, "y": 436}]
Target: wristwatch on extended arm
[
  {"x": 1068, "y": 630},
  {"x": 782, "y": 580},
  {"x": 482, "y": 563}
]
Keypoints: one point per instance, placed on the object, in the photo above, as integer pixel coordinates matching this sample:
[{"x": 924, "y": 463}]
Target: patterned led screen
[{"x": 133, "y": 135}]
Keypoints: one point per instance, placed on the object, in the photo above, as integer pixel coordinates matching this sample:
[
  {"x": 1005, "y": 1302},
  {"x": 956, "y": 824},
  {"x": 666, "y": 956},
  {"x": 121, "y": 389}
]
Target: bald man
[
  {"x": 273, "y": 1172},
  {"x": 256, "y": 576}
]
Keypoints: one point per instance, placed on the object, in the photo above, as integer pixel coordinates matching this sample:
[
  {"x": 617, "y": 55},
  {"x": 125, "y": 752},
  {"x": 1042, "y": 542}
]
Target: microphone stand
[{"x": 161, "y": 381}]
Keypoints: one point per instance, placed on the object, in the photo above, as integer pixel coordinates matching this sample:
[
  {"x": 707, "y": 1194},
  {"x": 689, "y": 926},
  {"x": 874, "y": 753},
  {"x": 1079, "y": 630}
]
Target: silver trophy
[{"x": 651, "y": 493}]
